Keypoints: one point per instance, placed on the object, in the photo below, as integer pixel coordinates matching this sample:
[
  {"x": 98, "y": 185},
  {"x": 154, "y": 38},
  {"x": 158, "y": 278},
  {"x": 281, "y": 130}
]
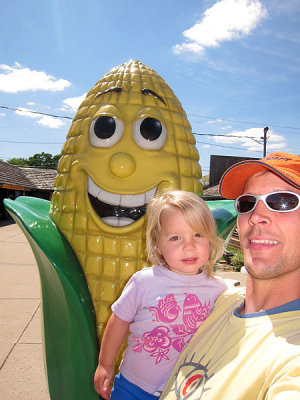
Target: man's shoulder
[{"x": 230, "y": 298}]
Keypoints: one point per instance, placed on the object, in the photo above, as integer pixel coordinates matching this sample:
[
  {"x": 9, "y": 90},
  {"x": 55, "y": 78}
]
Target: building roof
[
  {"x": 12, "y": 175},
  {"x": 30, "y": 178},
  {"x": 41, "y": 178},
  {"x": 212, "y": 193}
]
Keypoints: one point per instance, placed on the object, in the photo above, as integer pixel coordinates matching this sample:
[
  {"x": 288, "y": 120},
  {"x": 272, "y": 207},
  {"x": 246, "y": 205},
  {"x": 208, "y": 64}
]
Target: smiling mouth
[
  {"x": 264, "y": 241},
  {"x": 118, "y": 209}
]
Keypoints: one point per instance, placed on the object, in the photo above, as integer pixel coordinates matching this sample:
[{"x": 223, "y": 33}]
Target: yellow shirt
[{"x": 252, "y": 357}]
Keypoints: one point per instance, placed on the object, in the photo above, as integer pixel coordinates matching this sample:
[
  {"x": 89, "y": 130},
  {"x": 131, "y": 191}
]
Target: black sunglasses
[{"x": 276, "y": 201}]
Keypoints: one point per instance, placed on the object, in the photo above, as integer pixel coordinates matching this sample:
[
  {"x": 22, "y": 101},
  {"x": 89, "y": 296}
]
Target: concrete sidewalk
[{"x": 22, "y": 375}]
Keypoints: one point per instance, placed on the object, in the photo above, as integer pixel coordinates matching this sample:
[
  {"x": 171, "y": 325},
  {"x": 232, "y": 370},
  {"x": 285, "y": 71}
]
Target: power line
[
  {"x": 229, "y": 147},
  {"x": 211, "y": 144},
  {"x": 243, "y": 122},
  {"x": 16, "y": 142},
  {"x": 195, "y": 133},
  {"x": 275, "y": 132},
  {"x": 199, "y": 134},
  {"x": 218, "y": 134},
  {"x": 35, "y": 112},
  {"x": 193, "y": 115}
]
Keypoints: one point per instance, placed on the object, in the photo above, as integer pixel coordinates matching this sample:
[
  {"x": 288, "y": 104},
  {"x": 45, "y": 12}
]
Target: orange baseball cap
[{"x": 285, "y": 165}]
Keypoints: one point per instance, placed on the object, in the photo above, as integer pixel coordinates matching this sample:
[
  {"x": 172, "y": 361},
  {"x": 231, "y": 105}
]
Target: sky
[{"x": 233, "y": 64}]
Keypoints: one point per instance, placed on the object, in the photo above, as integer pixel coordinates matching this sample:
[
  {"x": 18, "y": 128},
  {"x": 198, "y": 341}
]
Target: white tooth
[
  {"x": 115, "y": 221},
  {"x": 265, "y": 241},
  {"x": 109, "y": 198},
  {"x": 118, "y": 199},
  {"x": 128, "y": 200},
  {"x": 125, "y": 221},
  {"x": 150, "y": 194},
  {"x": 92, "y": 188}
]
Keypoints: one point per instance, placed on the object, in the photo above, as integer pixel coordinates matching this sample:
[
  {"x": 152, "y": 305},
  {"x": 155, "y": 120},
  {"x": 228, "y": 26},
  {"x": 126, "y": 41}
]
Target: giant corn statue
[{"x": 129, "y": 140}]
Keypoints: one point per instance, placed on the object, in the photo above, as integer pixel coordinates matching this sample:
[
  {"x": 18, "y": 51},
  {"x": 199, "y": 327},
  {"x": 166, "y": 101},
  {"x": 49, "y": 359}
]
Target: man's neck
[{"x": 264, "y": 295}]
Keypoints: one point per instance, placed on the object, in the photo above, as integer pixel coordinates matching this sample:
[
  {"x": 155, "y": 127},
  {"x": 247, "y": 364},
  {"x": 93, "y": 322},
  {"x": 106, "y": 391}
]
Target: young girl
[{"x": 162, "y": 306}]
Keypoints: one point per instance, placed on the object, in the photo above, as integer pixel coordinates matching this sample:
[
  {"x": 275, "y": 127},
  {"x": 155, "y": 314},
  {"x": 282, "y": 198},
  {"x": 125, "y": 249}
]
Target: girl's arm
[{"x": 114, "y": 335}]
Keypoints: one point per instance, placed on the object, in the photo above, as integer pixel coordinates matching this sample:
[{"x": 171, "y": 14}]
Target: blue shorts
[{"x": 123, "y": 389}]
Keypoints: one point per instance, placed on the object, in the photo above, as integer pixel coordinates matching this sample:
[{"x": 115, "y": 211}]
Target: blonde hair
[{"x": 197, "y": 215}]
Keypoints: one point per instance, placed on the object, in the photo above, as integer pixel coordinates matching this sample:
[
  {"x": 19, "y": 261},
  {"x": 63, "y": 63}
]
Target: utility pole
[{"x": 265, "y": 140}]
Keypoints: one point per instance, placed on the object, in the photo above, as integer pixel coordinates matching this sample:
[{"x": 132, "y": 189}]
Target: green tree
[
  {"x": 44, "y": 160},
  {"x": 21, "y": 162},
  {"x": 56, "y": 159},
  {"x": 41, "y": 160}
]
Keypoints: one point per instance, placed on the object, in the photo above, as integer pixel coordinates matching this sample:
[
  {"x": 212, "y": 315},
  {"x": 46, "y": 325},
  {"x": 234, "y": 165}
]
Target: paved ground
[{"x": 22, "y": 374}]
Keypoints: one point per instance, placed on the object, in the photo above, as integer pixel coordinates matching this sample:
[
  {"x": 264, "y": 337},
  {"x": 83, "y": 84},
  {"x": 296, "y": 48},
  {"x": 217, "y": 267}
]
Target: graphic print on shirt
[
  {"x": 159, "y": 340},
  {"x": 191, "y": 377},
  {"x": 167, "y": 309}
]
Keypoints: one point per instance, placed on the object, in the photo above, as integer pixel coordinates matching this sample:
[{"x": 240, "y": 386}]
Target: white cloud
[
  {"x": 2, "y": 115},
  {"x": 50, "y": 122},
  {"x": 225, "y": 128},
  {"x": 214, "y": 121},
  {"x": 188, "y": 47},
  {"x": 206, "y": 146},
  {"x": 73, "y": 102},
  {"x": 17, "y": 79},
  {"x": 252, "y": 139},
  {"x": 226, "y": 20},
  {"x": 24, "y": 112},
  {"x": 46, "y": 120}
]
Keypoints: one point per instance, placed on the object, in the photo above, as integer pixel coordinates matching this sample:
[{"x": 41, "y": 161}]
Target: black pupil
[
  {"x": 150, "y": 129},
  {"x": 282, "y": 201},
  {"x": 104, "y": 127}
]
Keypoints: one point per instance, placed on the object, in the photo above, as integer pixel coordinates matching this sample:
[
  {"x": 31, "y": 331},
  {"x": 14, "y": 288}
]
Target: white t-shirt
[{"x": 165, "y": 309}]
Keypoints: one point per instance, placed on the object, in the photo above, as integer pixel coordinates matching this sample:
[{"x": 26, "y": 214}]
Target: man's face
[{"x": 269, "y": 239}]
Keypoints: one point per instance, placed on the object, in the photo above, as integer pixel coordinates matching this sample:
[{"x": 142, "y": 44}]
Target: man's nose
[{"x": 260, "y": 214}]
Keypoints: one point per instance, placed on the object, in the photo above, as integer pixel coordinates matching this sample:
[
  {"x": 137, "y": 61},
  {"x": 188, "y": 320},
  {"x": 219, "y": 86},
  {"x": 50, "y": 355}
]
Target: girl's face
[{"x": 184, "y": 250}]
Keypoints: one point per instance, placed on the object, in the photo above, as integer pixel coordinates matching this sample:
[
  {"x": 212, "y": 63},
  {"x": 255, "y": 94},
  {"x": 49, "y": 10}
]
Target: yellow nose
[{"x": 122, "y": 165}]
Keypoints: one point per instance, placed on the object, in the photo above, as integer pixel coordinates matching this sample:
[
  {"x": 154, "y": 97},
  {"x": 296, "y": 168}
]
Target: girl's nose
[{"x": 189, "y": 244}]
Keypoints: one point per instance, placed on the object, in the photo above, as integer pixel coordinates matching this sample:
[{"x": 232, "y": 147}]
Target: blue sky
[{"x": 233, "y": 64}]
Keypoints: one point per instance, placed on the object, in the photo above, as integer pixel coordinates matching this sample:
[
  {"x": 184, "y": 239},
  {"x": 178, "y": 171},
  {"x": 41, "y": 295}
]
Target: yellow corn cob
[{"x": 118, "y": 160}]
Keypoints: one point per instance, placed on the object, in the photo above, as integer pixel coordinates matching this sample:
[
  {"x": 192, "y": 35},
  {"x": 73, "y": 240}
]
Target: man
[{"x": 249, "y": 348}]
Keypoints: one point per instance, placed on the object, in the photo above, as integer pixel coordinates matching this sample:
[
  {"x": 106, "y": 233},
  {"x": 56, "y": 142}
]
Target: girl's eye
[
  {"x": 198, "y": 235},
  {"x": 173, "y": 238}
]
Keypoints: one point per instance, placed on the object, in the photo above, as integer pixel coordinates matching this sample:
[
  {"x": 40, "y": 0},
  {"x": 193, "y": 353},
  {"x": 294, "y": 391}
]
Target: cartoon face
[
  {"x": 129, "y": 140},
  {"x": 132, "y": 140},
  {"x": 190, "y": 380}
]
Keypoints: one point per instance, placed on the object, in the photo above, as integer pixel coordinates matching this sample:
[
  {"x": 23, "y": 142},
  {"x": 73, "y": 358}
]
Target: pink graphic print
[
  {"x": 167, "y": 310},
  {"x": 194, "y": 312},
  {"x": 159, "y": 341}
]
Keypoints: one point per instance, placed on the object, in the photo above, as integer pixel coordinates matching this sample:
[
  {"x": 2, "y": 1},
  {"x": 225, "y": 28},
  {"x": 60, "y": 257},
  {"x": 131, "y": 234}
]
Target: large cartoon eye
[
  {"x": 149, "y": 133},
  {"x": 191, "y": 379},
  {"x": 105, "y": 131}
]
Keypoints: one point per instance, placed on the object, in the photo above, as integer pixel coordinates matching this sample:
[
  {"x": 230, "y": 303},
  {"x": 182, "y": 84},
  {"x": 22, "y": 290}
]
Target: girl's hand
[
  {"x": 102, "y": 379},
  {"x": 113, "y": 337}
]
